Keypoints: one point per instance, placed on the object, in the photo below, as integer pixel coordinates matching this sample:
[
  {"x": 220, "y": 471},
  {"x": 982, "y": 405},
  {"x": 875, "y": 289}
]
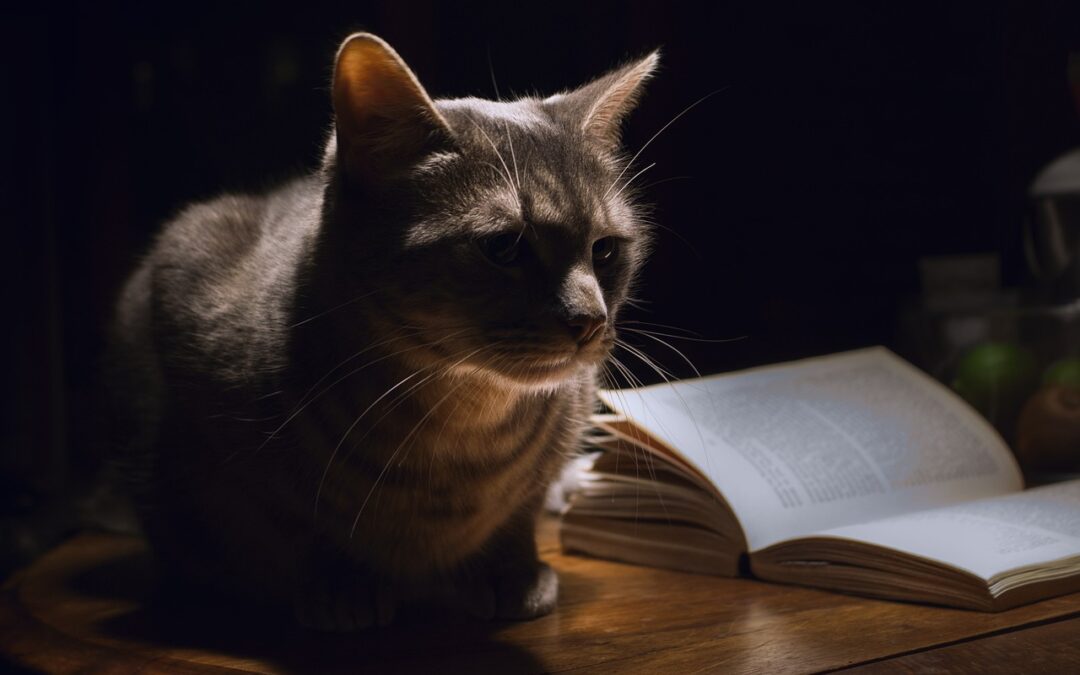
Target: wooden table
[{"x": 83, "y": 608}]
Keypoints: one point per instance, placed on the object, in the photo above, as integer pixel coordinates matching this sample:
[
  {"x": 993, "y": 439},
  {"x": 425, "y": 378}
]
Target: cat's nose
[{"x": 585, "y": 328}]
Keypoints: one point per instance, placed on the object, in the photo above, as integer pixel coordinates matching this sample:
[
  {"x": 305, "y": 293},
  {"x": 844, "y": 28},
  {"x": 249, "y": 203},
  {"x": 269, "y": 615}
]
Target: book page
[
  {"x": 985, "y": 537},
  {"x": 825, "y": 442}
]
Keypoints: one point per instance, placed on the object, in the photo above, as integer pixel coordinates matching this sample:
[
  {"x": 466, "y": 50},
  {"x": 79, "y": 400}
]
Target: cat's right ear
[{"x": 385, "y": 122}]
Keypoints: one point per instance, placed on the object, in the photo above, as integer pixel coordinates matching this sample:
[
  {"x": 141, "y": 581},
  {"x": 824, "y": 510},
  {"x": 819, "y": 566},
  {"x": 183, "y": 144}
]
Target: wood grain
[
  {"x": 88, "y": 605},
  {"x": 1052, "y": 648}
]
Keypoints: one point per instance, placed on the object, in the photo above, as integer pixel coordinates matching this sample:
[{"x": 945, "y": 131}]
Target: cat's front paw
[
  {"x": 343, "y": 606},
  {"x": 527, "y": 596},
  {"x": 521, "y": 594}
]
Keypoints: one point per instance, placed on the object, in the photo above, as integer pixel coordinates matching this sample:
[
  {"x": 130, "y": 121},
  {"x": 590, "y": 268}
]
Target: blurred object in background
[
  {"x": 1052, "y": 234},
  {"x": 1014, "y": 354},
  {"x": 1048, "y": 428}
]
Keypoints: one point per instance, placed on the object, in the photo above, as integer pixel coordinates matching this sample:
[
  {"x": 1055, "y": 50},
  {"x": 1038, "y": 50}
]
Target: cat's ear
[
  {"x": 600, "y": 106},
  {"x": 385, "y": 121}
]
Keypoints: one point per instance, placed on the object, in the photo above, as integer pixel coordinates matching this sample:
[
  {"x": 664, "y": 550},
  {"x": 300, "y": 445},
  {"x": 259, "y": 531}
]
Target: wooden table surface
[{"x": 83, "y": 607}]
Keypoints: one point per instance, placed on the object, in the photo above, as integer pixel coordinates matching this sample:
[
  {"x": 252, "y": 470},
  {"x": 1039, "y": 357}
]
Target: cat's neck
[
  {"x": 383, "y": 373},
  {"x": 476, "y": 401}
]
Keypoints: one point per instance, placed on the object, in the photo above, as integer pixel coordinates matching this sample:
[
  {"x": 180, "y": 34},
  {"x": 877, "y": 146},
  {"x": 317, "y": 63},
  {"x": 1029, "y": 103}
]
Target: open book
[{"x": 854, "y": 472}]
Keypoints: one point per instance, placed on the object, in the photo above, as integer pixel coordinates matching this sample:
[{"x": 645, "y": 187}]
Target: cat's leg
[
  {"x": 334, "y": 594},
  {"x": 511, "y": 582}
]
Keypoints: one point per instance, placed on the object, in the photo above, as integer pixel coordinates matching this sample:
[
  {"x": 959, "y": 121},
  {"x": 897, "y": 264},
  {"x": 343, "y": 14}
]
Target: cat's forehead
[
  {"x": 540, "y": 168},
  {"x": 467, "y": 115}
]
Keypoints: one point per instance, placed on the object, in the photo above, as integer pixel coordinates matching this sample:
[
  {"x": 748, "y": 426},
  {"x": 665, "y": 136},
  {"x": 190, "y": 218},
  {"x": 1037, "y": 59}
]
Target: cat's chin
[{"x": 540, "y": 376}]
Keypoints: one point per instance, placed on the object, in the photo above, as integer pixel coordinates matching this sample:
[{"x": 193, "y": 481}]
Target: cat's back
[
  {"x": 216, "y": 284},
  {"x": 224, "y": 247}
]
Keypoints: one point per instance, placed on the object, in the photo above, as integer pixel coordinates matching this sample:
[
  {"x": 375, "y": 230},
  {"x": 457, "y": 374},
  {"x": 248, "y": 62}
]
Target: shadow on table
[{"x": 422, "y": 639}]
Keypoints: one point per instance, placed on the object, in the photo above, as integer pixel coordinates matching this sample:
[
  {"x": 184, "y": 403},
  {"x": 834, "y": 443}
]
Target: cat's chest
[{"x": 441, "y": 479}]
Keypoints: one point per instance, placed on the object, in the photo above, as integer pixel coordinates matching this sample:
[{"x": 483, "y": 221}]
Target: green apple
[
  {"x": 1065, "y": 372},
  {"x": 996, "y": 378}
]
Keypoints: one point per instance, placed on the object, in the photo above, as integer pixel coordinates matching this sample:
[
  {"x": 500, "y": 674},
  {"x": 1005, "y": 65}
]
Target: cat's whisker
[
  {"x": 668, "y": 377},
  {"x": 640, "y": 355},
  {"x": 393, "y": 404},
  {"x": 650, "y": 467},
  {"x": 506, "y": 167},
  {"x": 437, "y": 370},
  {"x": 303, "y": 404},
  {"x": 513, "y": 156},
  {"x": 525, "y": 173},
  {"x": 675, "y": 233},
  {"x": 393, "y": 455},
  {"x": 632, "y": 179},
  {"x": 690, "y": 363},
  {"x": 503, "y": 176},
  {"x": 666, "y": 374},
  {"x": 662, "y": 130},
  {"x": 438, "y": 440},
  {"x": 686, "y": 338},
  {"x": 662, "y": 181},
  {"x": 637, "y": 322},
  {"x": 515, "y": 369},
  {"x": 407, "y": 445},
  {"x": 648, "y": 459},
  {"x": 517, "y": 176},
  {"x": 436, "y": 443},
  {"x": 434, "y": 446},
  {"x": 491, "y": 71},
  {"x": 306, "y": 404},
  {"x": 631, "y": 379},
  {"x": 399, "y": 352},
  {"x": 668, "y": 345},
  {"x": 337, "y": 448},
  {"x": 335, "y": 308},
  {"x": 620, "y": 395},
  {"x": 396, "y": 337},
  {"x": 611, "y": 385}
]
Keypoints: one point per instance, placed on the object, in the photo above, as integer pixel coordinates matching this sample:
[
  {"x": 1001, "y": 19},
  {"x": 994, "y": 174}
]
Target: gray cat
[{"x": 352, "y": 392}]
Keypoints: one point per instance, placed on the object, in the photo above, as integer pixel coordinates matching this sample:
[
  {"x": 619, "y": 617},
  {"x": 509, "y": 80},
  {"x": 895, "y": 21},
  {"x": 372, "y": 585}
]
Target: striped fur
[{"x": 336, "y": 389}]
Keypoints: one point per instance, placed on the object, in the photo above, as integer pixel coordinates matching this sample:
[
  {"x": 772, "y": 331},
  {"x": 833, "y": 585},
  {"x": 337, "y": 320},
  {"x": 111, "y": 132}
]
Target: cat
[{"x": 351, "y": 392}]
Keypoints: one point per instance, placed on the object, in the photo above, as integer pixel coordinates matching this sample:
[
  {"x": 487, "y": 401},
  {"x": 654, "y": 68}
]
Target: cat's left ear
[
  {"x": 385, "y": 121},
  {"x": 600, "y": 106}
]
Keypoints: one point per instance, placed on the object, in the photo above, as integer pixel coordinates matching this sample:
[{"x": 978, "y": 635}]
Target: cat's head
[{"x": 494, "y": 236}]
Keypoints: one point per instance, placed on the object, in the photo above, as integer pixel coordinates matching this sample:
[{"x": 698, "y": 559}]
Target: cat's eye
[
  {"x": 604, "y": 251},
  {"x": 503, "y": 249}
]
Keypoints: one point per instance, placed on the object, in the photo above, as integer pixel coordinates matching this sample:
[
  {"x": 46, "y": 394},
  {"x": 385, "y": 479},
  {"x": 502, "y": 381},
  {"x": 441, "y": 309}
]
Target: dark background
[{"x": 846, "y": 144}]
